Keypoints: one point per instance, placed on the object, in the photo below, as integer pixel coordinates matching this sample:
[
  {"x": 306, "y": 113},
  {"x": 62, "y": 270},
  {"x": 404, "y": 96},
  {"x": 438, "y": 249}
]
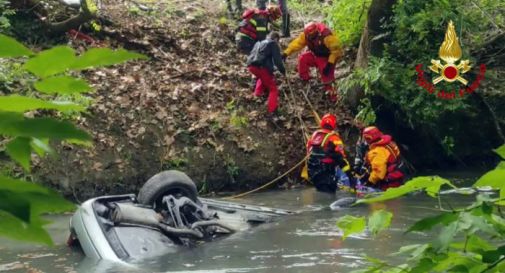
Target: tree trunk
[{"x": 371, "y": 42}]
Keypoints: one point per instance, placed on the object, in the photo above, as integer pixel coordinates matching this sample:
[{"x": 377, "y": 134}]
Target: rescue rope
[
  {"x": 271, "y": 182},
  {"x": 298, "y": 115},
  {"x": 314, "y": 112},
  {"x": 305, "y": 137}
]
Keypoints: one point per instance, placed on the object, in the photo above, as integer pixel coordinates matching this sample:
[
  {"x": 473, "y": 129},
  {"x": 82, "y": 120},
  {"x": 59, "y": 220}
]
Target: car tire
[{"x": 164, "y": 183}]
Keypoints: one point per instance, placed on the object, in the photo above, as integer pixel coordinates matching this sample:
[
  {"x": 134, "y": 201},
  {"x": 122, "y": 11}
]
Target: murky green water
[{"x": 306, "y": 242}]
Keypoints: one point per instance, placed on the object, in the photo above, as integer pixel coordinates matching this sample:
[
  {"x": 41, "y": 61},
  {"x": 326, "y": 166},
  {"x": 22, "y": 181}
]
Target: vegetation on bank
[
  {"x": 468, "y": 239},
  {"x": 412, "y": 36},
  {"x": 33, "y": 118}
]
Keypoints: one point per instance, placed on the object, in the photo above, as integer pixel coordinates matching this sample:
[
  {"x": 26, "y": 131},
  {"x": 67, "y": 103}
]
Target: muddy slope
[{"x": 188, "y": 107}]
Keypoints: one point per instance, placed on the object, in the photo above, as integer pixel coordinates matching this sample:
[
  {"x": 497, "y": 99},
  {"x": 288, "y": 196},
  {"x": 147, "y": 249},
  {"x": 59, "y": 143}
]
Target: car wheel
[{"x": 166, "y": 183}]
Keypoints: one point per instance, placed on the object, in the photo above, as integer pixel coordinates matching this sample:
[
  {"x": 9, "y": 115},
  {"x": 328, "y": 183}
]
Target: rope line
[{"x": 271, "y": 182}]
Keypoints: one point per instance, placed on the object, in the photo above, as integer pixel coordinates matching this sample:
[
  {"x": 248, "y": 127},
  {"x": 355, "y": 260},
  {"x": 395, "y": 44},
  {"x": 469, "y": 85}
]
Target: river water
[{"x": 308, "y": 241}]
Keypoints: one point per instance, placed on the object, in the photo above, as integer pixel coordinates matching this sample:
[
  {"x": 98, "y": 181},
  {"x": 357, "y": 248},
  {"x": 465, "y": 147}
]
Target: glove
[
  {"x": 284, "y": 57},
  {"x": 327, "y": 69}
]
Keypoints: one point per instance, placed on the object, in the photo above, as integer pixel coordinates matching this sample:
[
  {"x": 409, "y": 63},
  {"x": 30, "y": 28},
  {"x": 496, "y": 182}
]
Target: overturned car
[{"x": 165, "y": 216}]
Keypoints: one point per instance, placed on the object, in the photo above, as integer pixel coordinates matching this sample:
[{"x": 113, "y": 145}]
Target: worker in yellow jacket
[
  {"x": 324, "y": 50},
  {"x": 383, "y": 159}
]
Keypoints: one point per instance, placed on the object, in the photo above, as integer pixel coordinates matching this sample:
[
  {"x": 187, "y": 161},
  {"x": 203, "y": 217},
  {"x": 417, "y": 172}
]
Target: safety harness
[{"x": 318, "y": 148}]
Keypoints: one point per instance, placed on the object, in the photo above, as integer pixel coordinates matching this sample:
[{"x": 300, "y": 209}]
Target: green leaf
[
  {"x": 429, "y": 222},
  {"x": 62, "y": 85},
  {"x": 351, "y": 225},
  {"x": 494, "y": 179},
  {"x": 379, "y": 221},
  {"x": 19, "y": 150},
  {"x": 14, "y": 228},
  {"x": 431, "y": 184},
  {"x": 41, "y": 146},
  {"x": 474, "y": 244},
  {"x": 42, "y": 200},
  {"x": 446, "y": 236},
  {"x": 59, "y": 59},
  {"x": 17, "y": 207},
  {"x": 459, "y": 262},
  {"x": 500, "y": 151},
  {"x": 459, "y": 269},
  {"x": 12, "y": 124},
  {"x": 97, "y": 57},
  {"x": 52, "y": 61},
  {"x": 375, "y": 267},
  {"x": 415, "y": 251},
  {"x": 424, "y": 265},
  {"x": 473, "y": 223},
  {"x": 21, "y": 104},
  {"x": 498, "y": 222},
  {"x": 12, "y": 48},
  {"x": 501, "y": 165},
  {"x": 409, "y": 248}
]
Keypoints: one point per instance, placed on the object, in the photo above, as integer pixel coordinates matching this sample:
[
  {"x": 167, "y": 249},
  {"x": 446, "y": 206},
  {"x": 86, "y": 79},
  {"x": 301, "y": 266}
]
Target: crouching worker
[
  {"x": 327, "y": 163},
  {"x": 324, "y": 50},
  {"x": 260, "y": 63},
  {"x": 383, "y": 160}
]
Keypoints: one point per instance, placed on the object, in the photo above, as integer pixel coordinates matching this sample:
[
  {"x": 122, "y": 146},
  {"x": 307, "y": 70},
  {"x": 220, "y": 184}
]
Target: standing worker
[
  {"x": 254, "y": 27},
  {"x": 283, "y": 4},
  {"x": 383, "y": 159},
  {"x": 327, "y": 157},
  {"x": 323, "y": 51},
  {"x": 260, "y": 63}
]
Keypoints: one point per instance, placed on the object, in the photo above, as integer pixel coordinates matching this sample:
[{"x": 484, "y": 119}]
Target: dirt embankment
[{"x": 189, "y": 107}]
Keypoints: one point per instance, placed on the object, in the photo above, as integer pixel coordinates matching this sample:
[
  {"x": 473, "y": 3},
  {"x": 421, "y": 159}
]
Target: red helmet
[
  {"x": 371, "y": 134},
  {"x": 274, "y": 12},
  {"x": 310, "y": 29},
  {"x": 329, "y": 121}
]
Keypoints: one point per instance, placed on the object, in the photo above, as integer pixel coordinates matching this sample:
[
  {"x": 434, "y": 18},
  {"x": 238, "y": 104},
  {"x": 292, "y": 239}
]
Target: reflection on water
[{"x": 306, "y": 242}]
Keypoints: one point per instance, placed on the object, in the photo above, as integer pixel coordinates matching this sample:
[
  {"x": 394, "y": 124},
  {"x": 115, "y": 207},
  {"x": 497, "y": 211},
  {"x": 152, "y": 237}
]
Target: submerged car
[{"x": 167, "y": 215}]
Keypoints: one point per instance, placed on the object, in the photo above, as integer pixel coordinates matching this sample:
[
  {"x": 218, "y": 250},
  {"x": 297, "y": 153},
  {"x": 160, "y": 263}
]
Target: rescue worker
[
  {"x": 260, "y": 63},
  {"x": 283, "y": 4},
  {"x": 383, "y": 160},
  {"x": 323, "y": 51},
  {"x": 254, "y": 27},
  {"x": 326, "y": 153}
]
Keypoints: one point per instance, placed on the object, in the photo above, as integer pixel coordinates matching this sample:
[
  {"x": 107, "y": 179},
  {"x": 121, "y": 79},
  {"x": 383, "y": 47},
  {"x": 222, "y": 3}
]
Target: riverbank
[{"x": 189, "y": 107}]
